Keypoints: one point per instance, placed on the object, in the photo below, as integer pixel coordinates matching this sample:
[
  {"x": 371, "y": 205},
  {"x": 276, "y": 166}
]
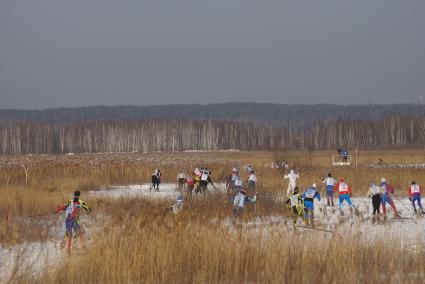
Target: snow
[
  {"x": 35, "y": 257},
  {"x": 166, "y": 191},
  {"x": 38, "y": 256}
]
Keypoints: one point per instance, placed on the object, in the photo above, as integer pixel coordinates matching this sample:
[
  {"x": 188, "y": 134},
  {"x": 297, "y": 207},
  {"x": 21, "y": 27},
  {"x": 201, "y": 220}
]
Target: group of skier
[
  {"x": 301, "y": 204},
  {"x": 235, "y": 183},
  {"x": 239, "y": 193},
  {"x": 197, "y": 182}
]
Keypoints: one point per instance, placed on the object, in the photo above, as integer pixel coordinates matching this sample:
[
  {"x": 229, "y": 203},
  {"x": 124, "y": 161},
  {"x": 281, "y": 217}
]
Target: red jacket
[
  {"x": 414, "y": 189},
  {"x": 343, "y": 188}
]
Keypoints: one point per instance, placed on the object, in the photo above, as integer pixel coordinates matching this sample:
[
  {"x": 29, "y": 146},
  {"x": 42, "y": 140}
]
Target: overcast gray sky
[{"x": 103, "y": 52}]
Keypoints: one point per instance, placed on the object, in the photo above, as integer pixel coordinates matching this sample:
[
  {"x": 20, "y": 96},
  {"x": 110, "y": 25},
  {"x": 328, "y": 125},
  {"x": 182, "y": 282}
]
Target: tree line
[
  {"x": 393, "y": 132},
  {"x": 275, "y": 115}
]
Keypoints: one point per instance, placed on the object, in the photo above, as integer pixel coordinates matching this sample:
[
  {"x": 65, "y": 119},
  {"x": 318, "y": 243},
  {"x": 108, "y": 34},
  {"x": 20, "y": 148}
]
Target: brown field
[{"x": 141, "y": 241}]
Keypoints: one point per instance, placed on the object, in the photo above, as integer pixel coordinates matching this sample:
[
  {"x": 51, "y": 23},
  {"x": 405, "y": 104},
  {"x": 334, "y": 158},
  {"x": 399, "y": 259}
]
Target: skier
[
  {"x": 238, "y": 185},
  {"x": 178, "y": 207},
  {"x": 252, "y": 181},
  {"x": 309, "y": 195},
  {"x": 72, "y": 211},
  {"x": 292, "y": 176},
  {"x": 197, "y": 180},
  {"x": 330, "y": 182},
  {"x": 345, "y": 193},
  {"x": 156, "y": 180},
  {"x": 77, "y": 226},
  {"x": 249, "y": 169},
  {"x": 234, "y": 176},
  {"x": 239, "y": 203},
  {"x": 375, "y": 191},
  {"x": 296, "y": 205},
  {"x": 181, "y": 179},
  {"x": 204, "y": 180},
  {"x": 415, "y": 192},
  {"x": 388, "y": 190},
  {"x": 190, "y": 184}
]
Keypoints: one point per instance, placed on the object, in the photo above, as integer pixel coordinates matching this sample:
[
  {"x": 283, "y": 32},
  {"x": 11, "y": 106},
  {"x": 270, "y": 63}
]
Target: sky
[{"x": 61, "y": 53}]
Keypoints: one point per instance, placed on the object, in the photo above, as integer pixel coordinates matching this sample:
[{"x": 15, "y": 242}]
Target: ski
[{"x": 313, "y": 228}]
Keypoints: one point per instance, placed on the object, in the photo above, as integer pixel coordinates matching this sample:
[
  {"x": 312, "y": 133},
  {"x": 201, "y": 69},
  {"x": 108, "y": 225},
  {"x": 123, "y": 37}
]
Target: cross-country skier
[
  {"x": 77, "y": 226},
  {"x": 292, "y": 177},
  {"x": 375, "y": 191},
  {"x": 204, "y": 180},
  {"x": 239, "y": 203},
  {"x": 249, "y": 169},
  {"x": 178, "y": 207},
  {"x": 388, "y": 190},
  {"x": 156, "y": 179},
  {"x": 309, "y": 195},
  {"x": 234, "y": 183},
  {"x": 190, "y": 184},
  {"x": 238, "y": 185},
  {"x": 415, "y": 192},
  {"x": 252, "y": 182},
  {"x": 296, "y": 205},
  {"x": 72, "y": 212},
  {"x": 345, "y": 192},
  {"x": 181, "y": 179},
  {"x": 330, "y": 182}
]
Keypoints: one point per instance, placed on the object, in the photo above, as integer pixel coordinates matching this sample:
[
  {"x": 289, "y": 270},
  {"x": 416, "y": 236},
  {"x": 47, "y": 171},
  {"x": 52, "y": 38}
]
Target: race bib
[
  {"x": 330, "y": 181},
  {"x": 204, "y": 177},
  {"x": 238, "y": 182},
  {"x": 239, "y": 200},
  {"x": 343, "y": 187},
  {"x": 375, "y": 190},
  {"x": 415, "y": 188},
  {"x": 310, "y": 193},
  {"x": 294, "y": 200}
]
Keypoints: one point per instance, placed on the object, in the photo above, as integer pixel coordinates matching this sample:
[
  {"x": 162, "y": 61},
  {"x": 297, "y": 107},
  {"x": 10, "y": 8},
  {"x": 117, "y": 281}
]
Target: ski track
[{"x": 36, "y": 257}]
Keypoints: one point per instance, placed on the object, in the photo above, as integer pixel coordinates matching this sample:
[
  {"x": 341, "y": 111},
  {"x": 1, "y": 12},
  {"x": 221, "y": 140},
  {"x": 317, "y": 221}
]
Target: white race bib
[
  {"x": 294, "y": 200},
  {"x": 310, "y": 193},
  {"x": 330, "y": 181},
  {"x": 415, "y": 188},
  {"x": 238, "y": 182},
  {"x": 343, "y": 187},
  {"x": 375, "y": 190},
  {"x": 204, "y": 177}
]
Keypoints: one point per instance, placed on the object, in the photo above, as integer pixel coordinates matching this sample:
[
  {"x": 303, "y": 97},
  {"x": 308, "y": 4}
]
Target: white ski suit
[{"x": 292, "y": 176}]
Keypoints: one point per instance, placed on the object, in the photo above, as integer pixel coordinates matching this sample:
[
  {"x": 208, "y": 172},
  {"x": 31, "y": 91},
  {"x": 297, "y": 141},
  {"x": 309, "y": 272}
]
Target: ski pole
[
  {"x": 317, "y": 229},
  {"x": 37, "y": 215},
  {"x": 358, "y": 211},
  {"x": 399, "y": 201}
]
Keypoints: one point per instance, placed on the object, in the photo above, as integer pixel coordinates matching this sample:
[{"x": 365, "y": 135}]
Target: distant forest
[{"x": 244, "y": 126}]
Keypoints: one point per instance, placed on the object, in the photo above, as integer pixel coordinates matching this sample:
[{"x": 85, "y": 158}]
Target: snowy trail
[
  {"x": 166, "y": 191},
  {"x": 33, "y": 257},
  {"x": 410, "y": 232},
  {"x": 36, "y": 256}
]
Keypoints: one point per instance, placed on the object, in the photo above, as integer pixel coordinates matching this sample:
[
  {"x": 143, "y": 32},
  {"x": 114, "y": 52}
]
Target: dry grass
[
  {"x": 189, "y": 248},
  {"x": 142, "y": 241}
]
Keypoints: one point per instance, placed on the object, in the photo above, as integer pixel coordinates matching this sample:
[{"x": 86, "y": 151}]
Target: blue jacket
[{"x": 310, "y": 194}]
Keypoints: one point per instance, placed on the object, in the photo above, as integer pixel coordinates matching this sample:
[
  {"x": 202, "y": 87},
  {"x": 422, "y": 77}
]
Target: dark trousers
[{"x": 376, "y": 203}]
